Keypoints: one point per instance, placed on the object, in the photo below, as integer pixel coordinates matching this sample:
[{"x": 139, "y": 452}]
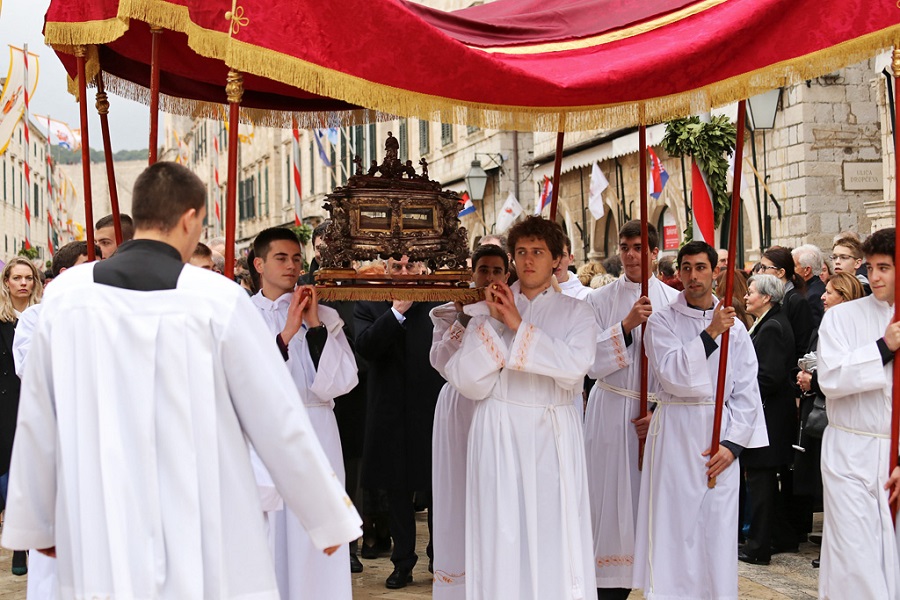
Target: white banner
[{"x": 12, "y": 99}]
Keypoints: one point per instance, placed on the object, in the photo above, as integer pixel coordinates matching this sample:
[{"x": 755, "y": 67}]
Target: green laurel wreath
[{"x": 709, "y": 144}]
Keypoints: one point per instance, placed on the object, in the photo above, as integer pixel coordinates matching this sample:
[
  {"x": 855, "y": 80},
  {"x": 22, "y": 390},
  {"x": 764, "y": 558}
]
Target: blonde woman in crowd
[
  {"x": 21, "y": 288},
  {"x": 588, "y": 271}
]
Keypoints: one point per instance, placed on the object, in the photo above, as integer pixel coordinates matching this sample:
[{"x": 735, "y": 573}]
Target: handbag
[{"x": 817, "y": 419}]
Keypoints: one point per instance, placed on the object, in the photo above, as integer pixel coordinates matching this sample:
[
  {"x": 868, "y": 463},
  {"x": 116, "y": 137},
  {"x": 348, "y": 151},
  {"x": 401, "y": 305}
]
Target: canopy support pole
[
  {"x": 729, "y": 281},
  {"x": 155, "y": 33},
  {"x": 85, "y": 153},
  {"x": 895, "y": 395},
  {"x": 103, "y": 111},
  {"x": 234, "y": 90},
  {"x": 645, "y": 275},
  {"x": 557, "y": 167}
]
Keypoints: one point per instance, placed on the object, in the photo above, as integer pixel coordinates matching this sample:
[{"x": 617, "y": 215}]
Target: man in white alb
[
  {"x": 857, "y": 342},
  {"x": 312, "y": 344},
  {"x": 611, "y": 426},
  {"x": 452, "y": 419},
  {"x": 134, "y": 470},
  {"x": 686, "y": 541},
  {"x": 568, "y": 282},
  {"x": 522, "y": 360}
]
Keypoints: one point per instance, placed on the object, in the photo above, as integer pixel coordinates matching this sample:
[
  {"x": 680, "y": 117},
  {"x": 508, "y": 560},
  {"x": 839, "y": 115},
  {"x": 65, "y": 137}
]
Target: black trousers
[
  {"x": 769, "y": 523},
  {"x": 402, "y": 507},
  {"x": 351, "y": 485},
  {"x": 612, "y": 593}
]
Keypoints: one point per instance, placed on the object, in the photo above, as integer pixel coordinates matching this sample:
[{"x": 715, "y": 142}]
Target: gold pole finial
[
  {"x": 102, "y": 99},
  {"x": 234, "y": 88},
  {"x": 102, "y": 103}
]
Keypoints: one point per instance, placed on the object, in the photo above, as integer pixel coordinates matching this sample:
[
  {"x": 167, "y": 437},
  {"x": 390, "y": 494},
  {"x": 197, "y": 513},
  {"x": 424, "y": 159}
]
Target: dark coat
[
  {"x": 773, "y": 340},
  {"x": 402, "y": 392},
  {"x": 799, "y": 315},
  {"x": 350, "y": 409},
  {"x": 814, "y": 290},
  {"x": 807, "y": 471},
  {"x": 9, "y": 394}
]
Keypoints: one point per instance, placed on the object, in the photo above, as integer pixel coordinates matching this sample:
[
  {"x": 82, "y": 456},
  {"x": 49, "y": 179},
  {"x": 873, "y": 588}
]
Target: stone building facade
[{"x": 15, "y": 194}]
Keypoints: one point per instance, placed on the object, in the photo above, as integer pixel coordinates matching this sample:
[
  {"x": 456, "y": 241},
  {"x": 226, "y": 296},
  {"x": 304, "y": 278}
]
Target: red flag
[{"x": 702, "y": 207}]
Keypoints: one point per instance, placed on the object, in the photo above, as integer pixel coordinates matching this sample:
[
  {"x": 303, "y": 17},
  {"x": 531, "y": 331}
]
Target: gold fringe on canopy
[
  {"x": 386, "y": 100},
  {"x": 383, "y": 293}
]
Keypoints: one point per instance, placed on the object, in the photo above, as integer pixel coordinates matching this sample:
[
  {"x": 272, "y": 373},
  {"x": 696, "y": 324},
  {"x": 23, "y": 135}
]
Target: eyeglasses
[
  {"x": 842, "y": 257},
  {"x": 767, "y": 267}
]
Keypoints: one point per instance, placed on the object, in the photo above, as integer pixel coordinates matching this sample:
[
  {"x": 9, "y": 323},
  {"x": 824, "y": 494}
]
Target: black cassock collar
[{"x": 141, "y": 265}]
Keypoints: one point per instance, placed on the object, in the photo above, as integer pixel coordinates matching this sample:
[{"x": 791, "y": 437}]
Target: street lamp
[
  {"x": 762, "y": 109},
  {"x": 476, "y": 181}
]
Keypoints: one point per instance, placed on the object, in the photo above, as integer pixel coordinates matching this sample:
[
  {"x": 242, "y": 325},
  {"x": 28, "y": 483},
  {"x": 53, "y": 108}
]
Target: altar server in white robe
[
  {"x": 686, "y": 541},
  {"x": 133, "y": 470},
  {"x": 42, "y": 581},
  {"x": 313, "y": 345},
  {"x": 523, "y": 359},
  {"x": 611, "y": 426},
  {"x": 452, "y": 419},
  {"x": 856, "y": 348},
  {"x": 568, "y": 282}
]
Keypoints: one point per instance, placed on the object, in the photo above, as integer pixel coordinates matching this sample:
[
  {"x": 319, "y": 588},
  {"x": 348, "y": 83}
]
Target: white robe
[
  {"x": 528, "y": 527},
  {"x": 303, "y": 571},
  {"x": 574, "y": 288},
  {"x": 42, "y": 580},
  {"x": 611, "y": 443},
  {"x": 136, "y": 467},
  {"x": 859, "y": 546},
  {"x": 452, "y": 420},
  {"x": 686, "y": 541},
  {"x": 24, "y": 332}
]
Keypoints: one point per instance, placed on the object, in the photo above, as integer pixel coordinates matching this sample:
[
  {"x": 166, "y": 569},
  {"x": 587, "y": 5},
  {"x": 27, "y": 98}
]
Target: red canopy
[{"x": 512, "y": 64}]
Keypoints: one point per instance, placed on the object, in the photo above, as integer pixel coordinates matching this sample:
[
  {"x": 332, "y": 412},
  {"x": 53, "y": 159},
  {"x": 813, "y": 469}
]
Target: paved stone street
[{"x": 789, "y": 577}]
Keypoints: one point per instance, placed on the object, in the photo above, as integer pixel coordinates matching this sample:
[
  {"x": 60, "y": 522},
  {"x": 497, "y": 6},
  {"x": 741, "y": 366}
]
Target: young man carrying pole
[
  {"x": 857, "y": 341},
  {"x": 611, "y": 426},
  {"x": 686, "y": 543}
]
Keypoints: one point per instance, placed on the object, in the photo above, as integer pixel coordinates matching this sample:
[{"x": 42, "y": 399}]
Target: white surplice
[
  {"x": 304, "y": 572},
  {"x": 859, "y": 546},
  {"x": 574, "y": 288},
  {"x": 528, "y": 522},
  {"x": 24, "y": 332},
  {"x": 452, "y": 420},
  {"x": 686, "y": 539},
  {"x": 42, "y": 580},
  {"x": 611, "y": 443},
  {"x": 136, "y": 466}
]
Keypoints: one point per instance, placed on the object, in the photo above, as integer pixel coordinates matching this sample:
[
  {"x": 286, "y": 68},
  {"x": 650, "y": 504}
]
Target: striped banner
[
  {"x": 50, "y": 228},
  {"x": 218, "y": 192},
  {"x": 296, "y": 172},
  {"x": 49, "y": 175},
  {"x": 27, "y": 198}
]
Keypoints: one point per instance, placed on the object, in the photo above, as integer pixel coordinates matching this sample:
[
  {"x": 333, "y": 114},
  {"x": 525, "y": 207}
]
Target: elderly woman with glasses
[{"x": 773, "y": 340}]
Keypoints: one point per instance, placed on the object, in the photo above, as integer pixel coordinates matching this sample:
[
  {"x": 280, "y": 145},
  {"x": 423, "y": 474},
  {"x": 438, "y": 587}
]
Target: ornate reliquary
[{"x": 391, "y": 211}]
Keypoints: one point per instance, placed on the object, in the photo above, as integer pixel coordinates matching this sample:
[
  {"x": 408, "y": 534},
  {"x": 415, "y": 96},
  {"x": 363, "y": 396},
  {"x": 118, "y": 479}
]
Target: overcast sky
[{"x": 21, "y": 22}]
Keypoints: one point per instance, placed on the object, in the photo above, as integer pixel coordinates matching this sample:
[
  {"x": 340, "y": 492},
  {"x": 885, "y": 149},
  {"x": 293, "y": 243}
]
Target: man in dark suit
[
  {"x": 808, "y": 264},
  {"x": 394, "y": 338}
]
